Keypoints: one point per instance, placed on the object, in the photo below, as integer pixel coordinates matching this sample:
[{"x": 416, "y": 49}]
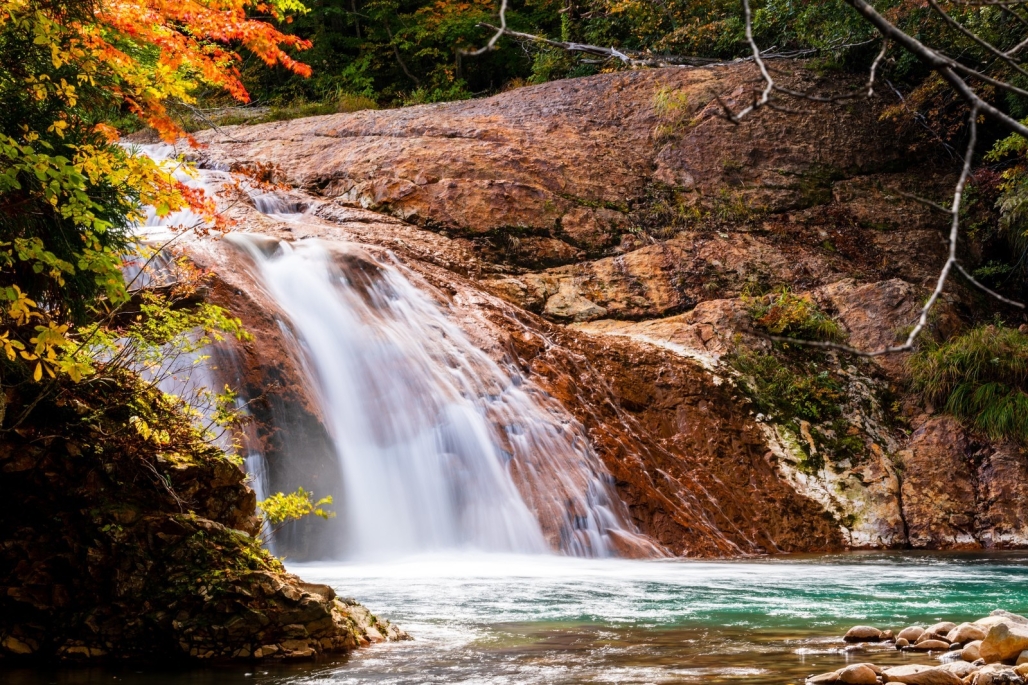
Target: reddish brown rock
[
  {"x": 652, "y": 241},
  {"x": 938, "y": 494},
  {"x": 1002, "y": 490},
  {"x": 593, "y": 228}
]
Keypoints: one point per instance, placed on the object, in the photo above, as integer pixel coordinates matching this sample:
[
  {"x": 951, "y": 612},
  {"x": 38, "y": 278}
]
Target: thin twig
[{"x": 499, "y": 31}]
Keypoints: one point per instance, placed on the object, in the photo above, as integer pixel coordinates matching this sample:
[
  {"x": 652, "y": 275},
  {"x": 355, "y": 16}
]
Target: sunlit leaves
[{"x": 281, "y": 507}]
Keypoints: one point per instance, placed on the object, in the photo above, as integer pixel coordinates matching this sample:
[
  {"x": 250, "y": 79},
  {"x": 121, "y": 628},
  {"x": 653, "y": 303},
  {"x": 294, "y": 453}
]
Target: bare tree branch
[
  {"x": 940, "y": 63},
  {"x": 500, "y": 30},
  {"x": 609, "y": 53},
  {"x": 993, "y": 293},
  {"x": 985, "y": 44},
  {"x": 874, "y": 68}
]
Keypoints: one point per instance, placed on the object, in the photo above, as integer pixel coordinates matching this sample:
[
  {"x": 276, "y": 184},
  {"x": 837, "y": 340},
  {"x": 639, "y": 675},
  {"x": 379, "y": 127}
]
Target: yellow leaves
[
  {"x": 281, "y": 507},
  {"x": 58, "y": 127},
  {"x": 51, "y": 348},
  {"x": 11, "y": 347},
  {"x": 158, "y": 436},
  {"x": 21, "y": 307}
]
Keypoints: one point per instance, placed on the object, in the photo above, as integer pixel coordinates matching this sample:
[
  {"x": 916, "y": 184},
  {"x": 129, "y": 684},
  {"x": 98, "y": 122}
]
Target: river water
[{"x": 549, "y": 619}]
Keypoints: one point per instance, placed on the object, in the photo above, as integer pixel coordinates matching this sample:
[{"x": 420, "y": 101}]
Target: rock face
[
  {"x": 641, "y": 243},
  {"x": 119, "y": 550}
]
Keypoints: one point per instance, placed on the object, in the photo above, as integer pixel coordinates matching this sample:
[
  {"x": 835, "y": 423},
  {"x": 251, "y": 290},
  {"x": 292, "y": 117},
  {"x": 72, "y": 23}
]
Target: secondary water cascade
[
  {"x": 432, "y": 436},
  {"x": 438, "y": 446}
]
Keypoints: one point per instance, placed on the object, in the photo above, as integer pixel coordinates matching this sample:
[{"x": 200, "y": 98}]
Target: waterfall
[
  {"x": 430, "y": 433},
  {"x": 438, "y": 447}
]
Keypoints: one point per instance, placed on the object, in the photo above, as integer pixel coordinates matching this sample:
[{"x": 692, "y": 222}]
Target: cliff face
[{"x": 610, "y": 243}]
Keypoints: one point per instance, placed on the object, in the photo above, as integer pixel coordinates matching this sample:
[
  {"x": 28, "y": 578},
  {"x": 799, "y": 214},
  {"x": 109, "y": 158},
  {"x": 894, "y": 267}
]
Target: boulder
[
  {"x": 1015, "y": 618},
  {"x": 966, "y": 632},
  {"x": 1022, "y": 658},
  {"x": 931, "y": 646},
  {"x": 928, "y": 635},
  {"x": 1004, "y": 642},
  {"x": 863, "y": 634},
  {"x": 911, "y": 633},
  {"x": 858, "y": 674},
  {"x": 970, "y": 651},
  {"x": 832, "y": 677},
  {"x": 941, "y": 629},
  {"x": 919, "y": 674},
  {"x": 960, "y": 669},
  {"x": 902, "y": 642},
  {"x": 996, "y": 674}
]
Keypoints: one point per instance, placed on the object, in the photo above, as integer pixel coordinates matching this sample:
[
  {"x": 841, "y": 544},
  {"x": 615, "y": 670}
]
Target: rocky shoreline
[
  {"x": 990, "y": 651},
  {"x": 100, "y": 564}
]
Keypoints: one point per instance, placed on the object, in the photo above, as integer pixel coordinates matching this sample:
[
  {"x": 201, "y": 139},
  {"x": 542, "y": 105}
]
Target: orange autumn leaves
[
  {"x": 69, "y": 194},
  {"x": 154, "y": 51}
]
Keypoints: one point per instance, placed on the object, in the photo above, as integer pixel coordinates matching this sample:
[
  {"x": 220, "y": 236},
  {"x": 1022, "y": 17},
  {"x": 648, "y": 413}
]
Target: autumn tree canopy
[{"x": 72, "y": 71}]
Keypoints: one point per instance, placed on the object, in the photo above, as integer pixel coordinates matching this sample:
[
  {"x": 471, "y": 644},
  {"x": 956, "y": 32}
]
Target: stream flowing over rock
[
  {"x": 514, "y": 324},
  {"x": 532, "y": 221}
]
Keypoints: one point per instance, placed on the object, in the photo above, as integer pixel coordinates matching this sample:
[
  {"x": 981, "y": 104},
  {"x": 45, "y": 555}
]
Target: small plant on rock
[
  {"x": 786, "y": 314},
  {"x": 282, "y": 508}
]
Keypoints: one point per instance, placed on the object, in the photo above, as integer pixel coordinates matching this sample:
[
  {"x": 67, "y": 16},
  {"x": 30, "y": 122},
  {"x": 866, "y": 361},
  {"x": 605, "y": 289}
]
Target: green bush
[
  {"x": 783, "y": 313},
  {"x": 980, "y": 377}
]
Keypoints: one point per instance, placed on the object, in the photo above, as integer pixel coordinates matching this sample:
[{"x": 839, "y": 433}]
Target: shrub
[
  {"x": 980, "y": 377},
  {"x": 783, "y": 313}
]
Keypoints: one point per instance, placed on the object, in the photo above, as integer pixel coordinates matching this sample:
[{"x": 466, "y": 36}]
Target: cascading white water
[
  {"x": 416, "y": 411},
  {"x": 438, "y": 447}
]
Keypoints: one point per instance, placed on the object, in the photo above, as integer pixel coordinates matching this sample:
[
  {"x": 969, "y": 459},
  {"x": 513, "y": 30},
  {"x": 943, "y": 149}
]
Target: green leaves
[
  {"x": 980, "y": 377},
  {"x": 281, "y": 508}
]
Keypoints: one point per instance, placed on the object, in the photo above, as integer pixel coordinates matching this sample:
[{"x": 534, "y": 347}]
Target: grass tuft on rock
[
  {"x": 980, "y": 377},
  {"x": 786, "y": 314}
]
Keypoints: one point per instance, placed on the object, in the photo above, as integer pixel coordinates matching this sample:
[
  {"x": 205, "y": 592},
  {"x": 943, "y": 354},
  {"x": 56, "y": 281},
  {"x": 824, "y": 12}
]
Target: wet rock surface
[{"x": 566, "y": 201}]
